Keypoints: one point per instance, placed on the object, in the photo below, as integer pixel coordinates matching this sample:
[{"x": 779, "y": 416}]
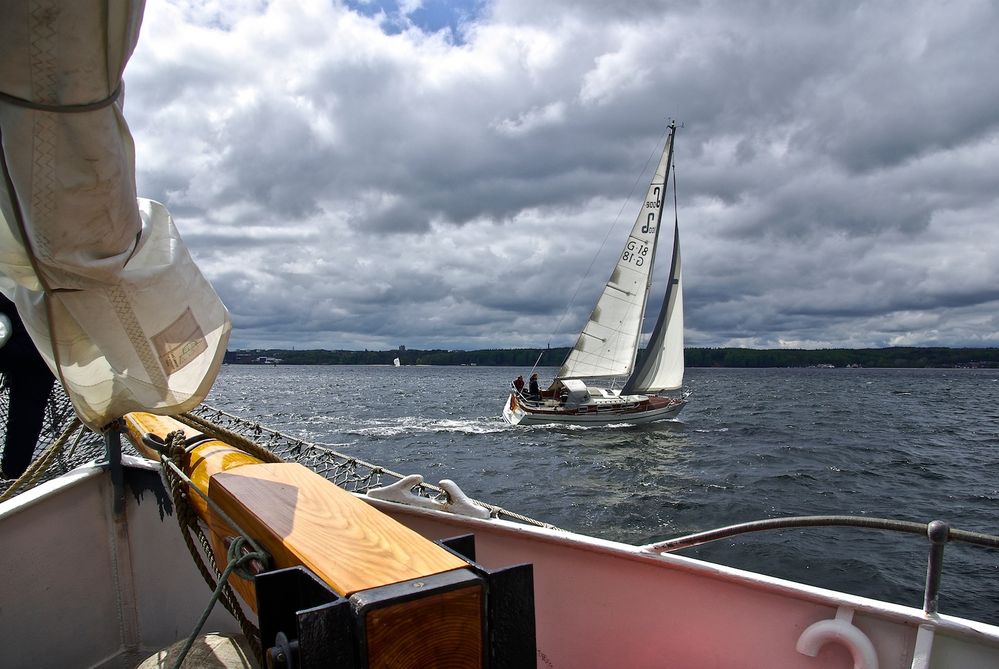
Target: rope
[
  {"x": 235, "y": 565},
  {"x": 232, "y": 438},
  {"x": 187, "y": 518},
  {"x": 62, "y": 109},
  {"x": 498, "y": 511},
  {"x": 37, "y": 469}
]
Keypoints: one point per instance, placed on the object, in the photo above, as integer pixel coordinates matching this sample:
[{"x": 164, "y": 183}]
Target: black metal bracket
[
  {"x": 511, "y": 628},
  {"x": 112, "y": 445},
  {"x": 304, "y": 624}
]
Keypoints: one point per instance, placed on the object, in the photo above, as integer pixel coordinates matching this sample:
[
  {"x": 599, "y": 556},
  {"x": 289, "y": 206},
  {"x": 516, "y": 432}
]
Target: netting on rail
[
  {"x": 85, "y": 446},
  {"x": 349, "y": 473}
]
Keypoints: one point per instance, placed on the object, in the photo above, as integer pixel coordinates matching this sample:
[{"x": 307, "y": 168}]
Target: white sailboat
[{"x": 608, "y": 346}]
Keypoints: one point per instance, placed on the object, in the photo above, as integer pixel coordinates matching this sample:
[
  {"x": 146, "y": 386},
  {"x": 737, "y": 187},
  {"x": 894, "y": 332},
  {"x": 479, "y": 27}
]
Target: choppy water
[{"x": 909, "y": 444}]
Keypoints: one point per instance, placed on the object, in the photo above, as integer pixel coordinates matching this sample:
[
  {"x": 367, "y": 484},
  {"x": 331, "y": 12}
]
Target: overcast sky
[{"x": 442, "y": 174}]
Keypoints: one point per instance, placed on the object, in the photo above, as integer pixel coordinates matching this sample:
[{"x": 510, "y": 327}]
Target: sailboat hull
[{"x": 633, "y": 409}]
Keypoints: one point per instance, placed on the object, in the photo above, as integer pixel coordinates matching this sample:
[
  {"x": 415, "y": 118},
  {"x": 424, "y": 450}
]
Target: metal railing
[{"x": 937, "y": 532}]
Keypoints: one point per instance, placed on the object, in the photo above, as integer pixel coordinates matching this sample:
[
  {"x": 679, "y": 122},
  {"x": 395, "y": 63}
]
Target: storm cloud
[{"x": 452, "y": 174}]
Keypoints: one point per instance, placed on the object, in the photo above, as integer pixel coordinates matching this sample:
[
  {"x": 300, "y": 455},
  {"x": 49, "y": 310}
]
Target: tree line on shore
[{"x": 694, "y": 357}]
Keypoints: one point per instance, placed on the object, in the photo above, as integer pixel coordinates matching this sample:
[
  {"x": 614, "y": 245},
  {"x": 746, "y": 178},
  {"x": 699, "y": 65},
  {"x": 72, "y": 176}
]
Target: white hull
[
  {"x": 82, "y": 590},
  {"x": 517, "y": 412}
]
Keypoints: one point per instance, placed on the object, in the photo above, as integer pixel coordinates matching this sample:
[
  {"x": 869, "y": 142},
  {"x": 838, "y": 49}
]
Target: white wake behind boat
[{"x": 608, "y": 346}]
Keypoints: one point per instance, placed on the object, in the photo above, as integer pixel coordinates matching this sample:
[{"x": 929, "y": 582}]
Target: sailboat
[{"x": 608, "y": 346}]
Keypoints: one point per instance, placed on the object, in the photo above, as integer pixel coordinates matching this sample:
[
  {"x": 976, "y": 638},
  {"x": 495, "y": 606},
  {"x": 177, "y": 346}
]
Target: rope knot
[
  {"x": 175, "y": 446},
  {"x": 246, "y": 564}
]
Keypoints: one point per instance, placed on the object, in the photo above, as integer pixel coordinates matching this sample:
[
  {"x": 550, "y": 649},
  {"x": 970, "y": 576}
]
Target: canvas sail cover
[
  {"x": 606, "y": 347},
  {"x": 103, "y": 282},
  {"x": 661, "y": 364}
]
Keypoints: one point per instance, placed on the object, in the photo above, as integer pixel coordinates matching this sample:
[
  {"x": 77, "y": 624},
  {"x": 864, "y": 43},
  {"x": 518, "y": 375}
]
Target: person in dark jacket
[
  {"x": 533, "y": 390},
  {"x": 28, "y": 381}
]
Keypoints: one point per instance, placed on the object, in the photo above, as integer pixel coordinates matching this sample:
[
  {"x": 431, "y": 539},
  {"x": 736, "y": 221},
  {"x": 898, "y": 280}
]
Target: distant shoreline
[{"x": 900, "y": 357}]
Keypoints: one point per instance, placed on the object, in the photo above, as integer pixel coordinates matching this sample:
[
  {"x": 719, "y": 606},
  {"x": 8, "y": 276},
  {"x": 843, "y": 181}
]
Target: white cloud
[{"x": 349, "y": 181}]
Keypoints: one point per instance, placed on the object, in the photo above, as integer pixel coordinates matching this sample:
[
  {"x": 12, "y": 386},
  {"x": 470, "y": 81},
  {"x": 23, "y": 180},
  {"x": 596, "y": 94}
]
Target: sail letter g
[{"x": 649, "y": 224}]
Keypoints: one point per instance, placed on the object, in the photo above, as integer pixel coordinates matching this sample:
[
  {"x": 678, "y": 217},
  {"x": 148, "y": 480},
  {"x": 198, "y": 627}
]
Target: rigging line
[{"x": 603, "y": 242}]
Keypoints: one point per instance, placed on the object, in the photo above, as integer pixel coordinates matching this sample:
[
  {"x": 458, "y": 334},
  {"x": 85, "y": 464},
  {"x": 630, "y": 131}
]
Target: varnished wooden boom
[
  {"x": 300, "y": 517},
  {"x": 408, "y": 601}
]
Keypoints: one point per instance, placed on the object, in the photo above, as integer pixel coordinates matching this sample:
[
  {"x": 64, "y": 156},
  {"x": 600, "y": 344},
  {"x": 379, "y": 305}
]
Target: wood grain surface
[
  {"x": 443, "y": 631},
  {"x": 301, "y": 518}
]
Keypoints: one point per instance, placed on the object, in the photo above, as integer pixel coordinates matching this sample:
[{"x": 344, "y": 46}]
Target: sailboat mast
[{"x": 652, "y": 261}]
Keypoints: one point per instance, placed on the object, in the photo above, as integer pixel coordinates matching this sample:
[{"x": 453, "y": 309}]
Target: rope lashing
[
  {"x": 63, "y": 108},
  {"x": 236, "y": 564},
  {"x": 175, "y": 448},
  {"x": 227, "y": 436}
]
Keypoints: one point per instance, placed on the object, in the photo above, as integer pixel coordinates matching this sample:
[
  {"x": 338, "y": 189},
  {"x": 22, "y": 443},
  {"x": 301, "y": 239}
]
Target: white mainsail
[
  {"x": 105, "y": 286},
  {"x": 609, "y": 341}
]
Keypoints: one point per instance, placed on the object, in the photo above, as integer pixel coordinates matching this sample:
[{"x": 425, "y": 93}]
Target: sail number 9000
[{"x": 635, "y": 253}]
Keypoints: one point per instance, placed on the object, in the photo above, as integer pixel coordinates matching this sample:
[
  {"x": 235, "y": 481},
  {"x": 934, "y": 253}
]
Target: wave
[{"x": 409, "y": 425}]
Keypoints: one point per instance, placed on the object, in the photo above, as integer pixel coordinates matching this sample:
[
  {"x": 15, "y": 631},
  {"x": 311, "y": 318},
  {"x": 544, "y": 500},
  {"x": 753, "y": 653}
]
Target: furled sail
[
  {"x": 102, "y": 281},
  {"x": 609, "y": 340},
  {"x": 661, "y": 365}
]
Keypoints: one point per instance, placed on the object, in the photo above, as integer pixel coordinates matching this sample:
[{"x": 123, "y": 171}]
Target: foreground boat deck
[{"x": 83, "y": 589}]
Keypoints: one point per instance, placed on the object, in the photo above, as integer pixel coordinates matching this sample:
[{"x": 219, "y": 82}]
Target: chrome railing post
[{"x": 938, "y": 532}]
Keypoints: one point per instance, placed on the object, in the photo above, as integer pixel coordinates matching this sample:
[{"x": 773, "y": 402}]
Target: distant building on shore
[{"x": 264, "y": 360}]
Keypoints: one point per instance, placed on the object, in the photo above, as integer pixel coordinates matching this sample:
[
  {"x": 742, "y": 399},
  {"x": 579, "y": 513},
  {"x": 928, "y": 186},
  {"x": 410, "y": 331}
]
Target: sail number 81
[{"x": 635, "y": 253}]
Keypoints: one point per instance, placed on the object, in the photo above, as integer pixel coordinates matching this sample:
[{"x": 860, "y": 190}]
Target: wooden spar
[
  {"x": 206, "y": 460},
  {"x": 301, "y": 519}
]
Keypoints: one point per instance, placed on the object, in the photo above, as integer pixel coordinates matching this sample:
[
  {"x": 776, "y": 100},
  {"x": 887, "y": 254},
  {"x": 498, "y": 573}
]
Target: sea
[{"x": 908, "y": 444}]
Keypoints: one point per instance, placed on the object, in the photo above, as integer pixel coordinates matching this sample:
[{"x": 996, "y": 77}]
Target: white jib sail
[
  {"x": 661, "y": 365},
  {"x": 607, "y": 345},
  {"x": 105, "y": 286}
]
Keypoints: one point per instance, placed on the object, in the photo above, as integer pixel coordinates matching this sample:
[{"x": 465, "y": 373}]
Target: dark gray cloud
[{"x": 379, "y": 174}]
